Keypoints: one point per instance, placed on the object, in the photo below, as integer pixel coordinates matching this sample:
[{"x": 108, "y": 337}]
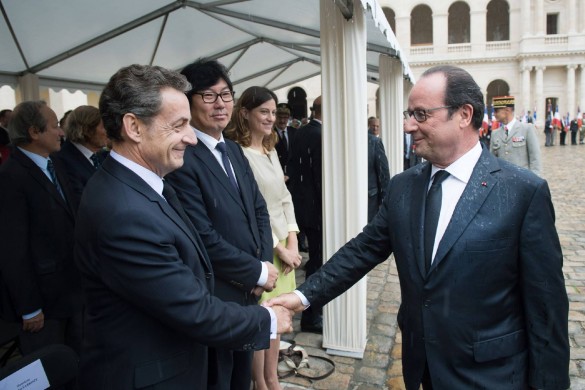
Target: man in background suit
[
  {"x": 5, "y": 116},
  {"x": 374, "y": 126},
  {"x": 222, "y": 200},
  {"x": 378, "y": 174},
  {"x": 146, "y": 275},
  {"x": 483, "y": 295},
  {"x": 40, "y": 283},
  {"x": 82, "y": 153},
  {"x": 285, "y": 134},
  {"x": 306, "y": 189},
  {"x": 514, "y": 141}
]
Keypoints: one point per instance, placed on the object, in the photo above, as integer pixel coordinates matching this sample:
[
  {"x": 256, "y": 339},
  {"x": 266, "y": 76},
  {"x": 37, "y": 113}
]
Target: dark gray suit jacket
[
  {"x": 492, "y": 311},
  {"x": 148, "y": 284}
]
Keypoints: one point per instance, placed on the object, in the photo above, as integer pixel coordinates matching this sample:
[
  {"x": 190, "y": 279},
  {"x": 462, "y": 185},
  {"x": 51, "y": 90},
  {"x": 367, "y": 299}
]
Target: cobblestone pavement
[{"x": 381, "y": 367}]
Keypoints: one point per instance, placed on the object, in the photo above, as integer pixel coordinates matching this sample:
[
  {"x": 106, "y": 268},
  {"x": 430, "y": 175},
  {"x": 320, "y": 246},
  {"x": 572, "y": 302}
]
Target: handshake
[{"x": 285, "y": 306}]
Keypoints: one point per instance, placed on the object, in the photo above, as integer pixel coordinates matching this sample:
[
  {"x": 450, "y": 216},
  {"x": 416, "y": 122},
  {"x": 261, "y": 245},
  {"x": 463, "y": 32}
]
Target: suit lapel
[
  {"x": 39, "y": 176},
  {"x": 131, "y": 179},
  {"x": 417, "y": 205},
  {"x": 204, "y": 154},
  {"x": 480, "y": 184}
]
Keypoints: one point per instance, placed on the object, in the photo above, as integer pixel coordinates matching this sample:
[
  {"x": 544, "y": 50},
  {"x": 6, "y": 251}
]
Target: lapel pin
[{"x": 484, "y": 184}]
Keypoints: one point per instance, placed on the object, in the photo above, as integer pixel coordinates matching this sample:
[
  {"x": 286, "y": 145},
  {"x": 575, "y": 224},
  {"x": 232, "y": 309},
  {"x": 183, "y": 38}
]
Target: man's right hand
[
  {"x": 289, "y": 300},
  {"x": 284, "y": 322},
  {"x": 34, "y": 324},
  {"x": 272, "y": 276}
]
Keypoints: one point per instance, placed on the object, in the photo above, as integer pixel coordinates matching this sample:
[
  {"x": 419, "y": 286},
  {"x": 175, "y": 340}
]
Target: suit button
[
  {"x": 207, "y": 275},
  {"x": 427, "y": 303},
  {"x": 257, "y": 251}
]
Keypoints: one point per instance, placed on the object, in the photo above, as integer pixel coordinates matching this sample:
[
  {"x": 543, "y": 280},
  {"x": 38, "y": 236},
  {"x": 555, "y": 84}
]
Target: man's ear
[
  {"x": 34, "y": 133},
  {"x": 132, "y": 127},
  {"x": 466, "y": 112}
]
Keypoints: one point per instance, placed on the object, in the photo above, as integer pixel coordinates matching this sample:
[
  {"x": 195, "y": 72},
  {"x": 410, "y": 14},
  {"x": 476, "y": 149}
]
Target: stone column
[
  {"x": 540, "y": 103},
  {"x": 440, "y": 35},
  {"x": 582, "y": 88},
  {"x": 478, "y": 25},
  {"x": 571, "y": 89},
  {"x": 573, "y": 18},
  {"x": 526, "y": 15},
  {"x": 29, "y": 87},
  {"x": 540, "y": 28},
  {"x": 526, "y": 88}
]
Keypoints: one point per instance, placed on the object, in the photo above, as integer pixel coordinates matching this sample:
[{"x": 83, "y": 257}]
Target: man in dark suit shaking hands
[
  {"x": 217, "y": 188},
  {"x": 478, "y": 256},
  {"x": 146, "y": 275}
]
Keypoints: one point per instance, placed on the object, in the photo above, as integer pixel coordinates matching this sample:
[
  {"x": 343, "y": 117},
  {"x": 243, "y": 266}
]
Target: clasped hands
[{"x": 285, "y": 306}]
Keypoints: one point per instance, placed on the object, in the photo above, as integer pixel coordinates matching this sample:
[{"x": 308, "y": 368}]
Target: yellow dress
[{"x": 285, "y": 283}]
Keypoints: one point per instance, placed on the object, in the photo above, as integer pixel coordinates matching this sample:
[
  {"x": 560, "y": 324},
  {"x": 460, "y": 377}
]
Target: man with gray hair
[
  {"x": 147, "y": 278},
  {"x": 40, "y": 285}
]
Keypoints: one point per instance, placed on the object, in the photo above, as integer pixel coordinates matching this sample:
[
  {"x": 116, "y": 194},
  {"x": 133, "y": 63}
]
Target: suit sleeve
[
  {"x": 140, "y": 262},
  {"x": 18, "y": 271},
  {"x": 544, "y": 295},
  {"x": 352, "y": 262},
  {"x": 229, "y": 262},
  {"x": 260, "y": 211},
  {"x": 534, "y": 160}
]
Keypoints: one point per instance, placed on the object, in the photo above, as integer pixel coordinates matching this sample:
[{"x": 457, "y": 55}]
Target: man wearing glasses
[
  {"x": 478, "y": 256},
  {"x": 219, "y": 193}
]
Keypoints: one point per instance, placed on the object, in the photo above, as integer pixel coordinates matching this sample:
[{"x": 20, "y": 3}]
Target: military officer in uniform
[{"x": 514, "y": 141}]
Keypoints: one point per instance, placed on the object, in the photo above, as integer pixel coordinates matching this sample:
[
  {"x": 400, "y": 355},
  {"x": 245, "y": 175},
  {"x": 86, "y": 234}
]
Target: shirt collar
[
  {"x": 85, "y": 151},
  {"x": 151, "y": 178},
  {"x": 462, "y": 168},
  {"x": 37, "y": 159},
  {"x": 208, "y": 140}
]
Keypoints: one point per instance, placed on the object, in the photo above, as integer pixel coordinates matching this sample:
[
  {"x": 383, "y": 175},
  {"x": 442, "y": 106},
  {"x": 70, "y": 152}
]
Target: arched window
[
  {"x": 391, "y": 17},
  {"x": 498, "y": 21},
  {"x": 421, "y": 25},
  {"x": 496, "y": 88},
  {"x": 459, "y": 22},
  {"x": 297, "y": 100}
]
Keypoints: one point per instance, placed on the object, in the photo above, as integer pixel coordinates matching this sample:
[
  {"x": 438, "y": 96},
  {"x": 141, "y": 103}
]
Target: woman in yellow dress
[{"x": 252, "y": 127}]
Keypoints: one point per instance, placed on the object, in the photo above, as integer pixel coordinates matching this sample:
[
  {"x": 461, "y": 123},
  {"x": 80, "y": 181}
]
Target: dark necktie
[
  {"x": 284, "y": 139},
  {"x": 95, "y": 160},
  {"x": 172, "y": 199},
  {"x": 432, "y": 211},
  {"x": 227, "y": 165},
  {"x": 53, "y": 174},
  {"x": 506, "y": 129}
]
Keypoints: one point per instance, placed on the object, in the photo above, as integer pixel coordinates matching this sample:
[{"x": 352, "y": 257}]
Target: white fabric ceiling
[{"x": 81, "y": 43}]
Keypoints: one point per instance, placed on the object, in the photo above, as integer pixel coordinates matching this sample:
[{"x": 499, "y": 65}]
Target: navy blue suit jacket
[
  {"x": 378, "y": 174},
  {"x": 148, "y": 284},
  {"x": 235, "y": 228},
  {"x": 36, "y": 241},
  {"x": 78, "y": 167},
  {"x": 492, "y": 311}
]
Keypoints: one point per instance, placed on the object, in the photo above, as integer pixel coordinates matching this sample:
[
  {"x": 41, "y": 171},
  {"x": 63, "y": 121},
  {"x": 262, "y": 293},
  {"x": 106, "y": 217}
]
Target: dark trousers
[
  {"x": 563, "y": 137},
  {"x": 573, "y": 138},
  {"x": 229, "y": 370},
  {"x": 66, "y": 331}
]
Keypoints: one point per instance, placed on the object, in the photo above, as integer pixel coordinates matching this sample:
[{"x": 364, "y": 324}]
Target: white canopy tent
[{"x": 79, "y": 44}]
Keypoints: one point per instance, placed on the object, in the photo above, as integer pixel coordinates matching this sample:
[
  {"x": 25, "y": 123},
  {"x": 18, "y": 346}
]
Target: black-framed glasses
[
  {"x": 211, "y": 97},
  {"x": 420, "y": 115}
]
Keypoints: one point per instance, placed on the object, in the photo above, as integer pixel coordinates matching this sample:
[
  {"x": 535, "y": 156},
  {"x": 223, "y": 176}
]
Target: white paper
[{"x": 30, "y": 377}]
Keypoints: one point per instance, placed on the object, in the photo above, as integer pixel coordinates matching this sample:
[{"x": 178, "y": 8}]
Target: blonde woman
[{"x": 252, "y": 128}]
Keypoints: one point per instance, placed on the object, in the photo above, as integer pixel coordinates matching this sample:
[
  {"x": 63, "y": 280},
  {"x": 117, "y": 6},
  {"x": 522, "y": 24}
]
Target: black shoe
[
  {"x": 311, "y": 322},
  {"x": 313, "y": 328}
]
